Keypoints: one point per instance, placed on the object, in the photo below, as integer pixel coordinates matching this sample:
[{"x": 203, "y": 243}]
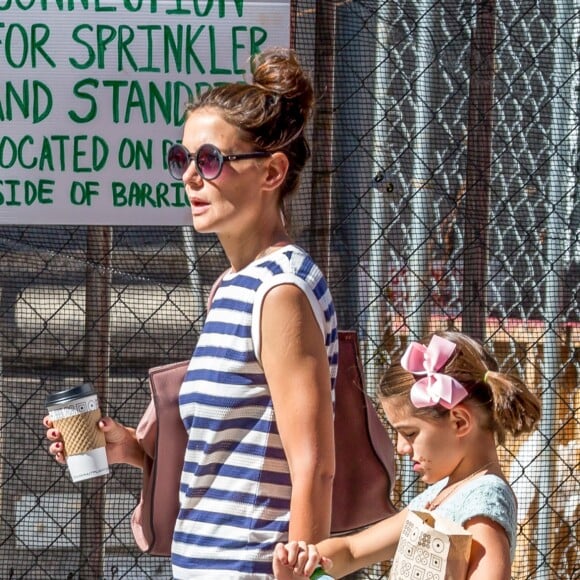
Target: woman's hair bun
[{"x": 279, "y": 72}]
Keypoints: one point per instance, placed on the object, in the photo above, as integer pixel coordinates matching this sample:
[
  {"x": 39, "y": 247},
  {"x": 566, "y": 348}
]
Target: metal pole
[
  {"x": 97, "y": 330},
  {"x": 381, "y": 192},
  {"x": 420, "y": 205},
  {"x": 321, "y": 202},
  {"x": 353, "y": 168},
  {"x": 422, "y": 172},
  {"x": 479, "y": 145},
  {"x": 561, "y": 183}
]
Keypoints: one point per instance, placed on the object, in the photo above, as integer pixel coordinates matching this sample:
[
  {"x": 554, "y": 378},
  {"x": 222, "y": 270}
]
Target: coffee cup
[{"x": 75, "y": 413}]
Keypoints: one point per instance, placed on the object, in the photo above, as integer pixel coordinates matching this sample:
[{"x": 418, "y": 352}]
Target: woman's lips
[{"x": 198, "y": 206}]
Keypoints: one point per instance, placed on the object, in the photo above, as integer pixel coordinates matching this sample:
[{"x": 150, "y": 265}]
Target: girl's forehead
[
  {"x": 401, "y": 413},
  {"x": 397, "y": 407},
  {"x": 397, "y": 411}
]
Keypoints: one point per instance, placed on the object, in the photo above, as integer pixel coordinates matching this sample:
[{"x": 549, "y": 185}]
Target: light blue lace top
[{"x": 488, "y": 496}]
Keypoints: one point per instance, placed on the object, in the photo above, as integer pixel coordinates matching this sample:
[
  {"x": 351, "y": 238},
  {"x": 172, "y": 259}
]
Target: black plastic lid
[{"x": 84, "y": 390}]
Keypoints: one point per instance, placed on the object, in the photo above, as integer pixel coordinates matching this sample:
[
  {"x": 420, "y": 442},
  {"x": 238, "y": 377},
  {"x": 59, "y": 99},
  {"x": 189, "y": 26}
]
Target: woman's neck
[{"x": 245, "y": 250}]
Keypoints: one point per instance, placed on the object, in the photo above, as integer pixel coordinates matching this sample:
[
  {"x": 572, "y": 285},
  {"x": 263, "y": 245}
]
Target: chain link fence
[{"x": 442, "y": 193}]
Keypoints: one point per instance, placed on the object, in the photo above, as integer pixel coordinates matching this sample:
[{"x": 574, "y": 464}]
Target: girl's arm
[
  {"x": 490, "y": 550},
  {"x": 489, "y": 559},
  {"x": 375, "y": 544},
  {"x": 346, "y": 553},
  {"x": 295, "y": 363}
]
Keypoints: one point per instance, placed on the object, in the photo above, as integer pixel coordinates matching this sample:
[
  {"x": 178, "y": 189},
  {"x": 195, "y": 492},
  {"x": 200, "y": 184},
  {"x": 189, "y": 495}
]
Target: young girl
[{"x": 450, "y": 407}]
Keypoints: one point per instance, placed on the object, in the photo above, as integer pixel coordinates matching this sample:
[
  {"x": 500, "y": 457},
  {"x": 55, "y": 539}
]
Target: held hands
[
  {"x": 297, "y": 560},
  {"x": 121, "y": 443}
]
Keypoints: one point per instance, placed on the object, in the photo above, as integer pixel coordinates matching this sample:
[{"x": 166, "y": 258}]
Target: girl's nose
[{"x": 403, "y": 446}]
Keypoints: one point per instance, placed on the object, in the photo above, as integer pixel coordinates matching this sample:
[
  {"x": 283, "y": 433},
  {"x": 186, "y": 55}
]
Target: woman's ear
[
  {"x": 277, "y": 169},
  {"x": 462, "y": 420}
]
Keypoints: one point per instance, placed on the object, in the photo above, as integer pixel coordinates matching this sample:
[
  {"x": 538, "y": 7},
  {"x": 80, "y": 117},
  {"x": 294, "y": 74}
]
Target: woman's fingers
[
  {"x": 298, "y": 559},
  {"x": 313, "y": 560},
  {"x": 53, "y": 435},
  {"x": 57, "y": 449},
  {"x": 302, "y": 557},
  {"x": 281, "y": 554},
  {"x": 292, "y": 552}
]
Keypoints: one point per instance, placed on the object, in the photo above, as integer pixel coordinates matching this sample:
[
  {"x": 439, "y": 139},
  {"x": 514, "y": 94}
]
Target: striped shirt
[{"x": 235, "y": 487}]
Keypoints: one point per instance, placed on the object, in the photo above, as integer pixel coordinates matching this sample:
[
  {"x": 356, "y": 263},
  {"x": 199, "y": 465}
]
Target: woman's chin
[{"x": 201, "y": 226}]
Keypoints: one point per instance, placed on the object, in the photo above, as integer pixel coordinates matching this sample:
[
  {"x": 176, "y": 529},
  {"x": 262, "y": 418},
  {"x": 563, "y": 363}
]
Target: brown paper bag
[{"x": 431, "y": 547}]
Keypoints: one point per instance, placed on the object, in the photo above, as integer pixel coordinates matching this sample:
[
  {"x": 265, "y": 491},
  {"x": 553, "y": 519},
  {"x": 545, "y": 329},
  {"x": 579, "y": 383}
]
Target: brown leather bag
[{"x": 365, "y": 463}]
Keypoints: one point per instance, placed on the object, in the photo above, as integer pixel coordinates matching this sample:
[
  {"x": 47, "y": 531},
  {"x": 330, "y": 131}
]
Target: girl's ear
[
  {"x": 462, "y": 420},
  {"x": 277, "y": 169}
]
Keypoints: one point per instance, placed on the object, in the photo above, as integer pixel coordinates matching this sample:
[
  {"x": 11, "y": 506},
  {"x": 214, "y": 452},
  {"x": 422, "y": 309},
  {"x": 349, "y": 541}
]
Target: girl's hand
[
  {"x": 121, "y": 443},
  {"x": 297, "y": 560}
]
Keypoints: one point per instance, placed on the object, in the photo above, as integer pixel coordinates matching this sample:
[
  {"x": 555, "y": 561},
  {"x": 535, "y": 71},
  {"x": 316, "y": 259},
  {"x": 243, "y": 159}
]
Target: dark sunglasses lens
[
  {"x": 209, "y": 161},
  {"x": 177, "y": 161}
]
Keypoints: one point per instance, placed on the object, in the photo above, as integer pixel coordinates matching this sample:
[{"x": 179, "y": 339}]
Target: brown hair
[
  {"x": 506, "y": 401},
  {"x": 272, "y": 111}
]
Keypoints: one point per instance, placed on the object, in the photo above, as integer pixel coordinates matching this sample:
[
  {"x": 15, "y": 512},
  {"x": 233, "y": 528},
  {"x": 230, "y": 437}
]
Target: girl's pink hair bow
[{"x": 435, "y": 388}]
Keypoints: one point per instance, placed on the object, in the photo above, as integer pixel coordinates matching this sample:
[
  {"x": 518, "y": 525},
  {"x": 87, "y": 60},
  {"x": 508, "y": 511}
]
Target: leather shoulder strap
[{"x": 214, "y": 287}]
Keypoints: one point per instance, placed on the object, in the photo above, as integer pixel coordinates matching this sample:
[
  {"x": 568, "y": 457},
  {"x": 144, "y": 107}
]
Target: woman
[{"x": 257, "y": 397}]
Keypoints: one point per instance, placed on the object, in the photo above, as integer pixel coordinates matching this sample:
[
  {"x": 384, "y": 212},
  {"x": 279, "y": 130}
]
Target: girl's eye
[{"x": 409, "y": 435}]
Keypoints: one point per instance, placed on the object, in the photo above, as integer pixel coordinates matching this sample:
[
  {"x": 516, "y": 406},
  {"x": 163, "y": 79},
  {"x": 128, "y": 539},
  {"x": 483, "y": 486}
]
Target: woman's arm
[
  {"x": 296, "y": 366},
  {"x": 490, "y": 550}
]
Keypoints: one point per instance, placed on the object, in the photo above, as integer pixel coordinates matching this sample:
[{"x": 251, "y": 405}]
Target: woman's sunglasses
[{"x": 208, "y": 159}]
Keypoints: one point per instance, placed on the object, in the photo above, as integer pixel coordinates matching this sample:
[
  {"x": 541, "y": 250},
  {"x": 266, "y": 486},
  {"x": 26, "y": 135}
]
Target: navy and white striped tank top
[{"x": 235, "y": 486}]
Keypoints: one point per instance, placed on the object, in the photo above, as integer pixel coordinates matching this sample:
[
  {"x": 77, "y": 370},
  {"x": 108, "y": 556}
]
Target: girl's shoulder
[
  {"x": 486, "y": 487},
  {"x": 487, "y": 492},
  {"x": 489, "y": 496}
]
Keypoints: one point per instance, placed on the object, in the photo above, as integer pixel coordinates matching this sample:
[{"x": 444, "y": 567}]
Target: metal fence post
[
  {"x": 479, "y": 145},
  {"x": 420, "y": 205},
  {"x": 380, "y": 193},
  {"x": 97, "y": 337},
  {"x": 321, "y": 199},
  {"x": 420, "y": 198},
  {"x": 561, "y": 183}
]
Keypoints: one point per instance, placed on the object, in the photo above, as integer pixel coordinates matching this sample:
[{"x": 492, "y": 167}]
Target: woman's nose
[{"x": 191, "y": 174}]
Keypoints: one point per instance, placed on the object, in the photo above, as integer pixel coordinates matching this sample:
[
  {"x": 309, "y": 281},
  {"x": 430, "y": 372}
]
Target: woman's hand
[
  {"x": 296, "y": 560},
  {"x": 121, "y": 443}
]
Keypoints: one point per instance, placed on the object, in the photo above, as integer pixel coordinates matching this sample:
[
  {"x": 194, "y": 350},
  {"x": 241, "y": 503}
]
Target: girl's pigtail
[{"x": 516, "y": 409}]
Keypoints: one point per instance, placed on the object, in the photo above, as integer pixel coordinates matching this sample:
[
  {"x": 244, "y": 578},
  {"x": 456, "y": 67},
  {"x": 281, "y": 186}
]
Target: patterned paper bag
[{"x": 431, "y": 547}]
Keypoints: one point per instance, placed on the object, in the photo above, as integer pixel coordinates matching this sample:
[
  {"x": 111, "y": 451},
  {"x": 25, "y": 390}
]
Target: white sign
[{"x": 92, "y": 94}]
